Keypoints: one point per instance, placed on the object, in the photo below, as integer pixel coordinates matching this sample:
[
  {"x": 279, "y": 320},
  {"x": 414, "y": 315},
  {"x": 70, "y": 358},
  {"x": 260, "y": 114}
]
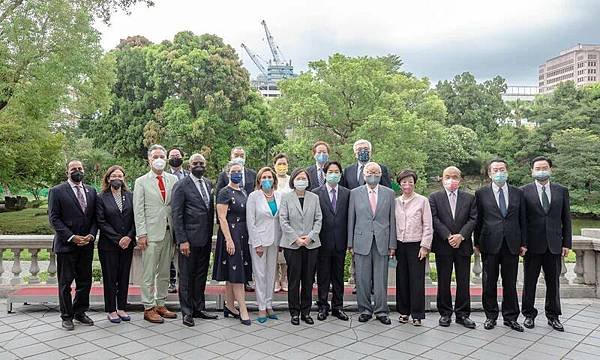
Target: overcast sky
[{"x": 437, "y": 39}]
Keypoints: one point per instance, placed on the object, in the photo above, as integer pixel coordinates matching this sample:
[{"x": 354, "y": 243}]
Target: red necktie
[{"x": 161, "y": 186}]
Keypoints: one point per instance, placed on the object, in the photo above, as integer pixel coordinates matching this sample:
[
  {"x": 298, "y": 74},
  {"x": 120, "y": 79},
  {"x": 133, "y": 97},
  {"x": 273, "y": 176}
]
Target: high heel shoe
[
  {"x": 245, "y": 322},
  {"x": 227, "y": 313}
]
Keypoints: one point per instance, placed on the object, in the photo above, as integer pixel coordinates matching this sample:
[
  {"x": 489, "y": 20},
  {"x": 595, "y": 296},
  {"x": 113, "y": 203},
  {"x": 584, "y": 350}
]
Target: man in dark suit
[
  {"x": 500, "y": 236},
  {"x": 175, "y": 157},
  {"x": 549, "y": 238},
  {"x": 193, "y": 218},
  {"x": 353, "y": 174},
  {"x": 238, "y": 155},
  {"x": 454, "y": 215},
  {"x": 334, "y": 200},
  {"x": 72, "y": 215},
  {"x": 316, "y": 172}
]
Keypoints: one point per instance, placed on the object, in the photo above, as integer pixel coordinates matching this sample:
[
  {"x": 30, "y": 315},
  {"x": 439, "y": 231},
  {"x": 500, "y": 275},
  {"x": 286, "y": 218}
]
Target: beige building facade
[{"x": 580, "y": 64}]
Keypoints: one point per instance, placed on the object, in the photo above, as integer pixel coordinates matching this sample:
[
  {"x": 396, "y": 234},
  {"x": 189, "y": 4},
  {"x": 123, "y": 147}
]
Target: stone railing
[{"x": 583, "y": 282}]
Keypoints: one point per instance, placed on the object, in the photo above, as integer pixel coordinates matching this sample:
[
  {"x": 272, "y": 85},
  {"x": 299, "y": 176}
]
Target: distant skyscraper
[{"x": 580, "y": 64}]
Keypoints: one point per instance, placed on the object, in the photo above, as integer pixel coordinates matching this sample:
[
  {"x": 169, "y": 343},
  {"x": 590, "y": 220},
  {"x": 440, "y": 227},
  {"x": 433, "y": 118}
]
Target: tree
[{"x": 342, "y": 99}]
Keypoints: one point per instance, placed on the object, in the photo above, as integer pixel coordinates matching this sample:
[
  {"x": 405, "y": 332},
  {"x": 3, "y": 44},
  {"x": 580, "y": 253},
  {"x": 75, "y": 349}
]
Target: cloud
[{"x": 437, "y": 39}]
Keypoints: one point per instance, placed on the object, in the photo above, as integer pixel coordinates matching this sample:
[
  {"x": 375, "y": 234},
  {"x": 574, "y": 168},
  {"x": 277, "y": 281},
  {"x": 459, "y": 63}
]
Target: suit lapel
[
  {"x": 71, "y": 193},
  {"x": 324, "y": 193},
  {"x": 492, "y": 197},
  {"x": 368, "y": 201},
  {"x": 297, "y": 201},
  {"x": 446, "y": 203},
  {"x": 553, "y": 196}
]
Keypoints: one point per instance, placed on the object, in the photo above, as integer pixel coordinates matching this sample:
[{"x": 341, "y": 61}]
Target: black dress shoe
[
  {"x": 172, "y": 289},
  {"x": 364, "y": 318},
  {"x": 322, "y": 315},
  {"x": 466, "y": 322},
  {"x": 340, "y": 314},
  {"x": 205, "y": 315},
  {"x": 307, "y": 319},
  {"x": 84, "y": 319},
  {"x": 556, "y": 325},
  {"x": 188, "y": 320},
  {"x": 384, "y": 319},
  {"x": 513, "y": 325},
  {"x": 295, "y": 320},
  {"x": 445, "y": 320},
  {"x": 529, "y": 322},
  {"x": 68, "y": 325},
  {"x": 489, "y": 324}
]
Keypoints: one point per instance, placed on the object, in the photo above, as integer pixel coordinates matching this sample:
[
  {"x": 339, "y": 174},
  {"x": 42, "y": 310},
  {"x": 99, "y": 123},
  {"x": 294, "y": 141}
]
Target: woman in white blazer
[{"x": 264, "y": 233}]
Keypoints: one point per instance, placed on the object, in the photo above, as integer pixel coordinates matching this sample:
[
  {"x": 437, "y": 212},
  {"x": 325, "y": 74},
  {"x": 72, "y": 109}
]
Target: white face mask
[
  {"x": 300, "y": 184},
  {"x": 159, "y": 164}
]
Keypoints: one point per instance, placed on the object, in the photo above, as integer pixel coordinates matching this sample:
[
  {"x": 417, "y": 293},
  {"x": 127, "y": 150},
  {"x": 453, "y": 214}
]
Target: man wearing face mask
[
  {"x": 500, "y": 235},
  {"x": 353, "y": 174},
  {"x": 238, "y": 155},
  {"x": 549, "y": 239},
  {"x": 193, "y": 218},
  {"x": 152, "y": 196},
  {"x": 372, "y": 239},
  {"x": 334, "y": 200},
  {"x": 72, "y": 215},
  {"x": 175, "y": 157},
  {"x": 454, "y": 215},
  {"x": 316, "y": 173}
]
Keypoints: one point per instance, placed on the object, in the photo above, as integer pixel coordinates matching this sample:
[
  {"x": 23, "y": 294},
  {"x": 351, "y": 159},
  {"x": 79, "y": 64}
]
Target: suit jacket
[
  {"x": 184, "y": 171},
  {"x": 364, "y": 226},
  {"x": 67, "y": 218},
  {"x": 249, "y": 180},
  {"x": 192, "y": 220},
  {"x": 350, "y": 178},
  {"x": 299, "y": 220},
  {"x": 263, "y": 226},
  {"x": 445, "y": 225},
  {"x": 334, "y": 229},
  {"x": 113, "y": 223},
  {"x": 151, "y": 213},
  {"x": 313, "y": 177},
  {"x": 551, "y": 231},
  {"x": 492, "y": 229}
]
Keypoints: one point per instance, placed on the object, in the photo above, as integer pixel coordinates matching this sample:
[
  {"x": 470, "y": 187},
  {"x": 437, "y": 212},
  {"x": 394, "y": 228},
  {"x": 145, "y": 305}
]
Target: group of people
[{"x": 312, "y": 217}]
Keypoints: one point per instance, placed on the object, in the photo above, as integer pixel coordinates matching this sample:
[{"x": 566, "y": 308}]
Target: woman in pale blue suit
[{"x": 264, "y": 233}]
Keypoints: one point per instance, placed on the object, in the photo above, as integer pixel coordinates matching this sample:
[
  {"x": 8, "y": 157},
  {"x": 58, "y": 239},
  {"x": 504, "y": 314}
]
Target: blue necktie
[{"x": 502, "y": 202}]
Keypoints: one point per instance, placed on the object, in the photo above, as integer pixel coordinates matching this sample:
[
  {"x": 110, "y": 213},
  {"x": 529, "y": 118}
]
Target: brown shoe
[
  {"x": 164, "y": 312},
  {"x": 152, "y": 316}
]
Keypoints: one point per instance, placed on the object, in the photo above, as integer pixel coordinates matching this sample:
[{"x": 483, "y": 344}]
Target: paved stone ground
[{"x": 33, "y": 332}]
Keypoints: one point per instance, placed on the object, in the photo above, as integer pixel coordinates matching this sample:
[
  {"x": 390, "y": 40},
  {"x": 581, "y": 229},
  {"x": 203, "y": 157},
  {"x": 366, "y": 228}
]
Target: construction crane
[
  {"x": 256, "y": 59},
  {"x": 277, "y": 54}
]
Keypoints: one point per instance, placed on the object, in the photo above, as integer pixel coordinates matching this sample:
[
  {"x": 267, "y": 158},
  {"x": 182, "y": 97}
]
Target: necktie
[
  {"x": 161, "y": 187},
  {"x": 320, "y": 176},
  {"x": 545, "y": 200},
  {"x": 453, "y": 204},
  {"x": 502, "y": 202},
  {"x": 373, "y": 200},
  {"x": 203, "y": 192},
  {"x": 333, "y": 199},
  {"x": 80, "y": 198},
  {"x": 361, "y": 178}
]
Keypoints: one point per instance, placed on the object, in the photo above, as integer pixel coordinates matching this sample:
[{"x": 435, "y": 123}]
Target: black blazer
[
  {"x": 67, "y": 218},
  {"x": 249, "y": 181},
  {"x": 192, "y": 219},
  {"x": 444, "y": 225},
  {"x": 113, "y": 223},
  {"x": 313, "y": 177},
  {"x": 492, "y": 229},
  {"x": 349, "y": 177},
  {"x": 334, "y": 228},
  {"x": 551, "y": 231}
]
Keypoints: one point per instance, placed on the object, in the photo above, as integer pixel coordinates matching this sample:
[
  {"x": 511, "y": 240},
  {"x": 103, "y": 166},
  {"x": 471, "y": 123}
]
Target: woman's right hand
[{"x": 230, "y": 246}]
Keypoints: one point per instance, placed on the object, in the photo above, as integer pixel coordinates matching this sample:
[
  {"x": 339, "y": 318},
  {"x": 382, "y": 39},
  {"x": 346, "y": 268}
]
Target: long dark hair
[{"x": 105, "y": 179}]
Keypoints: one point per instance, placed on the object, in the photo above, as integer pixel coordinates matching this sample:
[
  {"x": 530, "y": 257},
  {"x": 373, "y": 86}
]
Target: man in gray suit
[{"x": 372, "y": 239}]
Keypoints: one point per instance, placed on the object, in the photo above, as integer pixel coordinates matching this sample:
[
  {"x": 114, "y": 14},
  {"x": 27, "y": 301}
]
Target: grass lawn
[{"x": 27, "y": 221}]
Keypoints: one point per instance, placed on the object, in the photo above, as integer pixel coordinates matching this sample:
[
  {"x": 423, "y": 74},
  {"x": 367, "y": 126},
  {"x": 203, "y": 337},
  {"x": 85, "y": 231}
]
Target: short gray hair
[
  {"x": 231, "y": 164},
  {"x": 237, "y": 148},
  {"x": 155, "y": 147},
  {"x": 369, "y": 165},
  {"x": 195, "y": 156},
  {"x": 361, "y": 141}
]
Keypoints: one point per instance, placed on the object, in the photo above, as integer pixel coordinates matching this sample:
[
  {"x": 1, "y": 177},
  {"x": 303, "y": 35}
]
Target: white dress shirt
[
  {"x": 539, "y": 190},
  {"x": 496, "y": 190}
]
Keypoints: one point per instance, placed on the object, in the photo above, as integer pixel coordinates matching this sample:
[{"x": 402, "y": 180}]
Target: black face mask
[
  {"x": 175, "y": 162},
  {"x": 116, "y": 184},
  {"x": 76, "y": 176},
  {"x": 198, "y": 171}
]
